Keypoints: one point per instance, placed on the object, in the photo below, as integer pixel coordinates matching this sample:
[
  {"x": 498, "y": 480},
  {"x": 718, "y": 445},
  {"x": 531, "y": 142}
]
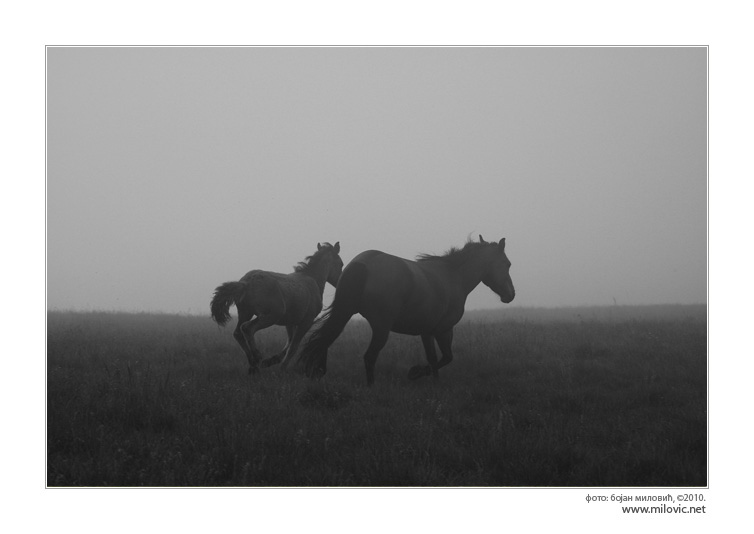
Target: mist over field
[
  {"x": 613, "y": 313},
  {"x": 172, "y": 170}
]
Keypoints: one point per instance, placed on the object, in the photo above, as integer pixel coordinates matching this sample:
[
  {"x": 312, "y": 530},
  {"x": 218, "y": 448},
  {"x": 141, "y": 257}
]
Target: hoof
[
  {"x": 316, "y": 373},
  {"x": 270, "y": 361},
  {"x": 316, "y": 369},
  {"x": 418, "y": 371}
]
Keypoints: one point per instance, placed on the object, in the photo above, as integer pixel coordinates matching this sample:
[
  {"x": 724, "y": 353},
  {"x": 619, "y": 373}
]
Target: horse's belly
[
  {"x": 416, "y": 324},
  {"x": 410, "y": 329},
  {"x": 420, "y": 328}
]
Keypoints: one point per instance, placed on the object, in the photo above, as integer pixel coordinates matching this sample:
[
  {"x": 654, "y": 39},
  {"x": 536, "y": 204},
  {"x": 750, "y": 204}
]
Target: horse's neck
[
  {"x": 319, "y": 275},
  {"x": 471, "y": 272}
]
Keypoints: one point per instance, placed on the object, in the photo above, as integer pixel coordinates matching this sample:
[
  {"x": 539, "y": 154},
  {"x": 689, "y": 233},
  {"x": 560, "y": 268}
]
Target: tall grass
[{"x": 161, "y": 400}]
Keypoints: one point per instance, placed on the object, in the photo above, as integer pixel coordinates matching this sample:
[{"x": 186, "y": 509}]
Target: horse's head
[
  {"x": 335, "y": 264},
  {"x": 498, "y": 277}
]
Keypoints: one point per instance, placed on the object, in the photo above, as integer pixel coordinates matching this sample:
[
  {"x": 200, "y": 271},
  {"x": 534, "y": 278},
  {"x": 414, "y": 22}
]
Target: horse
[
  {"x": 265, "y": 298},
  {"x": 423, "y": 298}
]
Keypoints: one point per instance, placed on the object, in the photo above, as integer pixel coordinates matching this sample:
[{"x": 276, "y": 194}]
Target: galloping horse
[
  {"x": 292, "y": 300},
  {"x": 423, "y": 298}
]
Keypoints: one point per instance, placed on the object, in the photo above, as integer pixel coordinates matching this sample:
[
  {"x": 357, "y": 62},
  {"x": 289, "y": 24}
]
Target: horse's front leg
[
  {"x": 295, "y": 341},
  {"x": 419, "y": 371},
  {"x": 248, "y": 330},
  {"x": 276, "y": 359},
  {"x": 445, "y": 342}
]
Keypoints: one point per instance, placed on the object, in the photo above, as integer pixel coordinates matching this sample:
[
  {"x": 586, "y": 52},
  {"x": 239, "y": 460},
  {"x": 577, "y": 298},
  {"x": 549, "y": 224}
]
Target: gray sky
[{"x": 172, "y": 170}]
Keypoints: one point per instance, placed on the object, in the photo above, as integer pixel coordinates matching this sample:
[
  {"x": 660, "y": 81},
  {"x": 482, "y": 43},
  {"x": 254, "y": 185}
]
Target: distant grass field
[{"x": 576, "y": 397}]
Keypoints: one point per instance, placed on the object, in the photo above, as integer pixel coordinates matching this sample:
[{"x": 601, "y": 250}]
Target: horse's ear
[
  {"x": 337, "y": 247},
  {"x": 502, "y": 243},
  {"x": 319, "y": 247},
  {"x": 481, "y": 239}
]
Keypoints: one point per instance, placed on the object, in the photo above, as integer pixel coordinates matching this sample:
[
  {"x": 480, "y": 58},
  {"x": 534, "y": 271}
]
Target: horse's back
[
  {"x": 385, "y": 271},
  {"x": 401, "y": 274},
  {"x": 416, "y": 297},
  {"x": 292, "y": 296}
]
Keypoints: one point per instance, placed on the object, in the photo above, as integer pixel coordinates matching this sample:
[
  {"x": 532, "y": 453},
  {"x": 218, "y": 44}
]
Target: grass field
[{"x": 579, "y": 397}]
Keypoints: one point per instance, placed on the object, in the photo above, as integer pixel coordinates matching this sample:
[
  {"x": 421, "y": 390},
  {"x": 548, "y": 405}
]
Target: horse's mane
[
  {"x": 454, "y": 256},
  {"x": 311, "y": 261}
]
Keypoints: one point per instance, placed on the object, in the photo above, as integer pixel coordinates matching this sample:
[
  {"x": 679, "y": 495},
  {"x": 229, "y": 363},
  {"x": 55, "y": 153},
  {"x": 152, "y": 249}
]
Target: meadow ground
[{"x": 612, "y": 397}]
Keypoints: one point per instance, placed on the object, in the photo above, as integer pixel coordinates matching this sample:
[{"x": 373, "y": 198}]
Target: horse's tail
[
  {"x": 226, "y": 295},
  {"x": 345, "y": 303}
]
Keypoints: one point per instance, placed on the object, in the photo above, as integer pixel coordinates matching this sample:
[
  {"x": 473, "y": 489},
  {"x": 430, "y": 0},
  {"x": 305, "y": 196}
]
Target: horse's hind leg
[
  {"x": 248, "y": 349},
  {"x": 243, "y": 318},
  {"x": 380, "y": 333}
]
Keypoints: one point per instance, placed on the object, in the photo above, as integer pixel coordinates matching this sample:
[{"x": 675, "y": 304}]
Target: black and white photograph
[{"x": 371, "y": 266}]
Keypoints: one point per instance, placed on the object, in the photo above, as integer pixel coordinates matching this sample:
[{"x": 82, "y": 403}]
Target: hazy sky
[{"x": 172, "y": 170}]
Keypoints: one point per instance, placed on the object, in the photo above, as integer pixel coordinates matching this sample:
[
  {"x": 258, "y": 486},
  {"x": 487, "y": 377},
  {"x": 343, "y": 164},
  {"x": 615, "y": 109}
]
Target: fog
[{"x": 172, "y": 170}]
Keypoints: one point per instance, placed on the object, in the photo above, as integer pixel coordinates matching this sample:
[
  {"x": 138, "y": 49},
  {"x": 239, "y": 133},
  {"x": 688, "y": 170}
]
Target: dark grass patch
[
  {"x": 322, "y": 397},
  {"x": 164, "y": 400}
]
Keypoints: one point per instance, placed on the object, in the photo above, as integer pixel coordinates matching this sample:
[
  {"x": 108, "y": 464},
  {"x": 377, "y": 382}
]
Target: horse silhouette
[
  {"x": 425, "y": 297},
  {"x": 265, "y": 298}
]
